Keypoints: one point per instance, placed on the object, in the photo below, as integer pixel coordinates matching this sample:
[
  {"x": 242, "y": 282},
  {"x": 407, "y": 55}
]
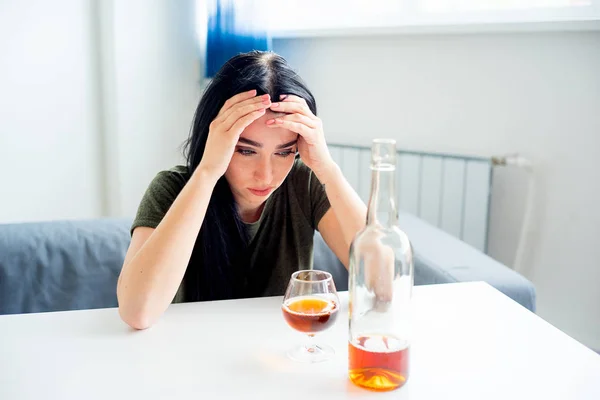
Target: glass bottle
[{"x": 381, "y": 278}]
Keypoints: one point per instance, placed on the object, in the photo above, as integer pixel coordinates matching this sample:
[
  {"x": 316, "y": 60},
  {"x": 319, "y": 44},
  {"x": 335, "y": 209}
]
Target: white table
[{"x": 471, "y": 342}]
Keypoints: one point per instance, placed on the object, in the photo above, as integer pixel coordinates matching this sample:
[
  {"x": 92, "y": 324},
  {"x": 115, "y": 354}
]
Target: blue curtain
[{"x": 225, "y": 39}]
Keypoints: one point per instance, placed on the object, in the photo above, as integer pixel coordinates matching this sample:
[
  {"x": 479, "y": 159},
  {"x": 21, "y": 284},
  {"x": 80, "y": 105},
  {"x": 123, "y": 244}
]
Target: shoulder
[
  {"x": 171, "y": 180},
  {"x": 174, "y": 174},
  {"x": 160, "y": 194},
  {"x": 165, "y": 187},
  {"x": 308, "y": 192},
  {"x": 301, "y": 176}
]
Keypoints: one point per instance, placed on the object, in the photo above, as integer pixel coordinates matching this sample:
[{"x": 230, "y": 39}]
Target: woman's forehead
[{"x": 259, "y": 132}]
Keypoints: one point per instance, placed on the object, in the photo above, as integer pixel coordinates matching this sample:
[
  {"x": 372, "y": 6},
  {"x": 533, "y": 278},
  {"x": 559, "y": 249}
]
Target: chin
[
  {"x": 253, "y": 200},
  {"x": 259, "y": 200}
]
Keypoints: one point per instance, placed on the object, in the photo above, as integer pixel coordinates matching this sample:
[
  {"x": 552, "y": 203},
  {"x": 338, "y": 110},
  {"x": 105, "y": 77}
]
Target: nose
[{"x": 264, "y": 171}]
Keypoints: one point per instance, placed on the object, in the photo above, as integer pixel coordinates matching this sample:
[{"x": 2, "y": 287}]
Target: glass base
[{"x": 313, "y": 354}]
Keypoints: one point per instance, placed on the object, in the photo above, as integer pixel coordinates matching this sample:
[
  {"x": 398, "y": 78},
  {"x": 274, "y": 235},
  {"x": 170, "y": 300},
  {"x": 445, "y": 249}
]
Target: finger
[
  {"x": 298, "y": 127},
  {"x": 265, "y": 99},
  {"x": 242, "y": 123},
  {"x": 238, "y": 111},
  {"x": 309, "y": 122},
  {"x": 292, "y": 107},
  {"x": 237, "y": 98},
  {"x": 292, "y": 98}
]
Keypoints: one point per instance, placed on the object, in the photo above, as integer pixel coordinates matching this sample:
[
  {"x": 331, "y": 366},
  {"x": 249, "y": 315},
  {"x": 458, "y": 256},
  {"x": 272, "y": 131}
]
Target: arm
[
  {"x": 157, "y": 259},
  {"x": 342, "y": 222},
  {"x": 346, "y": 216},
  {"x": 348, "y": 213}
]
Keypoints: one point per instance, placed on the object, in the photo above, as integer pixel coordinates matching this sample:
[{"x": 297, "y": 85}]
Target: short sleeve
[
  {"x": 310, "y": 193},
  {"x": 318, "y": 198},
  {"x": 159, "y": 196}
]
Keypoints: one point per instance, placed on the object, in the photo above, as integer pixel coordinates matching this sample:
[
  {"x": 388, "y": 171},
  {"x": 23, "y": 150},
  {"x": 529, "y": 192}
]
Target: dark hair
[{"x": 218, "y": 267}]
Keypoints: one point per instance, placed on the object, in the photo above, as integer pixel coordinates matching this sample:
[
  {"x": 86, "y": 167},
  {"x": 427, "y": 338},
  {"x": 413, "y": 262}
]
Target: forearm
[
  {"x": 349, "y": 209},
  {"x": 149, "y": 281}
]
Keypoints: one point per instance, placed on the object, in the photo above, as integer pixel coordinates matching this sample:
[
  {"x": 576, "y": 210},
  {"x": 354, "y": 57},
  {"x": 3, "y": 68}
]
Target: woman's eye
[
  {"x": 245, "y": 152},
  {"x": 286, "y": 153}
]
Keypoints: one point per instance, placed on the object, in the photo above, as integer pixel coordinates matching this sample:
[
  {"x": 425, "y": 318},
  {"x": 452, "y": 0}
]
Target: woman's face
[{"x": 262, "y": 159}]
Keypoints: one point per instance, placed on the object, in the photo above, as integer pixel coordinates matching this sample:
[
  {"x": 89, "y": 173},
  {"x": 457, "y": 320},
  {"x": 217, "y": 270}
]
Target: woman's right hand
[{"x": 236, "y": 114}]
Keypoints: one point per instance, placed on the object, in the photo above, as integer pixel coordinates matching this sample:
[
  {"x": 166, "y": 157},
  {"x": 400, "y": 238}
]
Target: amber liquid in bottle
[{"x": 378, "y": 363}]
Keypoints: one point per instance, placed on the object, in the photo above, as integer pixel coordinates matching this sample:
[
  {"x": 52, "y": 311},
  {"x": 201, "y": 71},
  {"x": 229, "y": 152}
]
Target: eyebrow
[{"x": 259, "y": 145}]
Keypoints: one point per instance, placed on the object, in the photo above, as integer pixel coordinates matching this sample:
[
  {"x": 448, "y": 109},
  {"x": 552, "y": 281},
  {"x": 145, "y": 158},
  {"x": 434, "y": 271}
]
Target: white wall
[
  {"x": 49, "y": 166},
  {"x": 153, "y": 93},
  {"x": 96, "y": 96},
  {"x": 537, "y": 94}
]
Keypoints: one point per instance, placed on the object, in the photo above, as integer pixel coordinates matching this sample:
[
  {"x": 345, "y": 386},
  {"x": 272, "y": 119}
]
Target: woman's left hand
[{"x": 311, "y": 142}]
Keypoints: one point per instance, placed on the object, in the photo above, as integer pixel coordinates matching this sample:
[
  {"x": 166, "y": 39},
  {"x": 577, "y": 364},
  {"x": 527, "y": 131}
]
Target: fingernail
[
  {"x": 283, "y": 97},
  {"x": 266, "y": 101},
  {"x": 270, "y": 122},
  {"x": 265, "y": 96},
  {"x": 275, "y": 105}
]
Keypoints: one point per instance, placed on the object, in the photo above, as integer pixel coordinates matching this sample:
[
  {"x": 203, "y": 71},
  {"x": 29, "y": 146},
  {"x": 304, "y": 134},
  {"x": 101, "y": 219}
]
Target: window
[
  {"x": 301, "y": 17},
  {"x": 435, "y": 6},
  {"x": 291, "y": 18}
]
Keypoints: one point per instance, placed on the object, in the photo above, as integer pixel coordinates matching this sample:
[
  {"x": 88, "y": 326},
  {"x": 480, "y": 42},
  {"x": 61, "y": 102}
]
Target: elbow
[
  {"x": 136, "y": 320},
  {"x": 135, "y": 315}
]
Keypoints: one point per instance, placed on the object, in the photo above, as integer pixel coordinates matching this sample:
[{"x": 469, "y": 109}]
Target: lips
[{"x": 260, "y": 192}]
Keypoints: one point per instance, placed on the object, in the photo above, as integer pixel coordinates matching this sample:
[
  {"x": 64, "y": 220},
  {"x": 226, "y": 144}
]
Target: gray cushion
[
  {"x": 442, "y": 258},
  {"x": 70, "y": 265},
  {"x": 324, "y": 259},
  {"x": 61, "y": 265}
]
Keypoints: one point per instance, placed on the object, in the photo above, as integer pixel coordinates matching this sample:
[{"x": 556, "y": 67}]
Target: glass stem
[{"x": 310, "y": 345}]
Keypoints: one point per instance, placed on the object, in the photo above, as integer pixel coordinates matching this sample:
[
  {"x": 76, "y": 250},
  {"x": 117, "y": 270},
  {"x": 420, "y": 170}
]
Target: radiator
[{"x": 449, "y": 191}]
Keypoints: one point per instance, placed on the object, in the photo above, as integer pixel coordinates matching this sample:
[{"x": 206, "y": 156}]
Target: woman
[{"x": 239, "y": 218}]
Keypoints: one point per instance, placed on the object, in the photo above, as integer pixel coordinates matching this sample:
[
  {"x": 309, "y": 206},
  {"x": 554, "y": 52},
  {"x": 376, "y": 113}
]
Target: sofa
[{"x": 74, "y": 264}]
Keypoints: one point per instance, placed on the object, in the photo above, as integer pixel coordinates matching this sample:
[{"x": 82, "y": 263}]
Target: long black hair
[{"x": 218, "y": 267}]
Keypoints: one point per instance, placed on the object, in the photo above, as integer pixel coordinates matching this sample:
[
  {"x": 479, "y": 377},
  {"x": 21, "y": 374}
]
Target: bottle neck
[{"x": 382, "y": 208}]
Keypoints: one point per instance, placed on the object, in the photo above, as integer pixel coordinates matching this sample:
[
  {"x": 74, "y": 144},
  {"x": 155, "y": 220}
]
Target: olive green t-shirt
[{"x": 281, "y": 241}]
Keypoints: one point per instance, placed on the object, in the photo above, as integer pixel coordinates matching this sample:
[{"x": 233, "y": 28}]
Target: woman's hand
[
  {"x": 311, "y": 143},
  {"x": 236, "y": 114}
]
